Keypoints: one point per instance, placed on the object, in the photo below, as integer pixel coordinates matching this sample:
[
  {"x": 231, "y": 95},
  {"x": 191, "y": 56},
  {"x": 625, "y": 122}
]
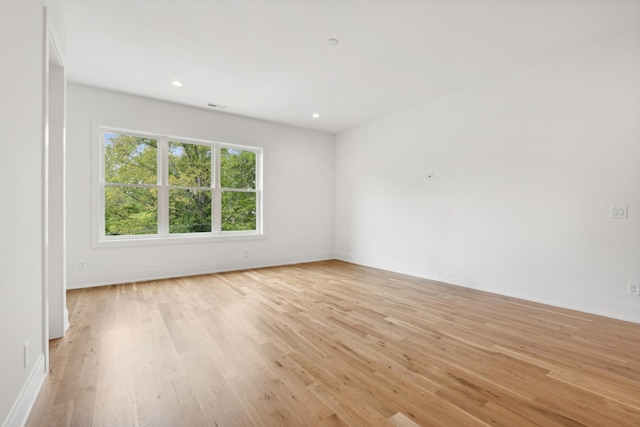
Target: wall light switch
[{"x": 618, "y": 212}]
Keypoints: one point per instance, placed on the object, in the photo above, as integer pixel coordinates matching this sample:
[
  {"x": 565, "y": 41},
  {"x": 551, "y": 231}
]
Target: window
[
  {"x": 238, "y": 181},
  {"x": 159, "y": 187}
]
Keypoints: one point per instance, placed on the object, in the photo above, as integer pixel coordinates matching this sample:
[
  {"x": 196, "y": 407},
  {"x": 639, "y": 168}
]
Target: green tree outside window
[{"x": 134, "y": 191}]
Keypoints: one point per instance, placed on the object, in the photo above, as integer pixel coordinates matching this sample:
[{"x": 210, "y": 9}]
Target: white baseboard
[
  {"x": 167, "y": 273},
  {"x": 599, "y": 306},
  {"x": 22, "y": 407}
]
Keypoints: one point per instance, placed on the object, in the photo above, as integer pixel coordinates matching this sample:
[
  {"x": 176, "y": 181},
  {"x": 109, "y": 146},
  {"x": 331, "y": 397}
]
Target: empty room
[{"x": 320, "y": 213}]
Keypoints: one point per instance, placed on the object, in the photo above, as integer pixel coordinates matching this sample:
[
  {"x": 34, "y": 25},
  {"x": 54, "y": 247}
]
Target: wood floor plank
[{"x": 333, "y": 344}]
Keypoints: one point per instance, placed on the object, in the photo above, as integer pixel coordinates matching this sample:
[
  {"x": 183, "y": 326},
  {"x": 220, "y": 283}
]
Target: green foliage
[
  {"x": 131, "y": 161},
  {"x": 238, "y": 211},
  {"x": 189, "y": 209},
  {"x": 189, "y": 165},
  {"x": 130, "y": 211},
  {"x": 237, "y": 169}
]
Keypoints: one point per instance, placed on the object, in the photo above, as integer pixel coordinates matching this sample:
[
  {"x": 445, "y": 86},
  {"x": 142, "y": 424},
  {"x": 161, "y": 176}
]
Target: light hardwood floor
[{"x": 331, "y": 343}]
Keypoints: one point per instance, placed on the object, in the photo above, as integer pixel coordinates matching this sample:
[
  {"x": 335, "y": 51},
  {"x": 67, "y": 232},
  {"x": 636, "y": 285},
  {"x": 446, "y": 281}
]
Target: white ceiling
[{"x": 269, "y": 59}]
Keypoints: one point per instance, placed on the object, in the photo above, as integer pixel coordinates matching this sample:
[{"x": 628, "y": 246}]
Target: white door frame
[{"x": 55, "y": 315}]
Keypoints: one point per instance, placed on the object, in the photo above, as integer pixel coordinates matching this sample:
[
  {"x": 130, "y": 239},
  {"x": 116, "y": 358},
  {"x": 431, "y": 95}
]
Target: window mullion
[
  {"x": 216, "y": 196},
  {"x": 102, "y": 203},
  {"x": 258, "y": 191},
  {"x": 163, "y": 190}
]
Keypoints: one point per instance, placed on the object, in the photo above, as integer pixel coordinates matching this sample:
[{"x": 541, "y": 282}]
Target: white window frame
[{"x": 100, "y": 239}]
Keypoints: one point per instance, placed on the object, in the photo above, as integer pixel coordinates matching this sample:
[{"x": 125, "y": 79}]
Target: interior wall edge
[
  {"x": 170, "y": 273},
  {"x": 581, "y": 303}
]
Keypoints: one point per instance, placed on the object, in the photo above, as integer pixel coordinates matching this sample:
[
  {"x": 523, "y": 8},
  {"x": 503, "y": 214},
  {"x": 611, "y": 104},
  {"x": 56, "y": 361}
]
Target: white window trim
[{"x": 99, "y": 239}]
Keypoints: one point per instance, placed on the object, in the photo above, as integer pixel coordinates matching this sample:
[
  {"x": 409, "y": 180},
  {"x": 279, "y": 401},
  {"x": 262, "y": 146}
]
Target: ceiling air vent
[{"x": 217, "y": 106}]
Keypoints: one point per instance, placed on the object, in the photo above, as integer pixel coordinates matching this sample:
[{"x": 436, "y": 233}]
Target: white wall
[
  {"x": 536, "y": 158},
  {"x": 21, "y": 303},
  {"x": 298, "y": 191},
  {"x": 58, "y": 320}
]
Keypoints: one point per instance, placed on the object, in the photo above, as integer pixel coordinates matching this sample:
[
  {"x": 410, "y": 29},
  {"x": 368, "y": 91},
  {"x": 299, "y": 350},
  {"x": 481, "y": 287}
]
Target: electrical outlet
[
  {"x": 634, "y": 288},
  {"x": 26, "y": 354},
  {"x": 82, "y": 265},
  {"x": 246, "y": 253}
]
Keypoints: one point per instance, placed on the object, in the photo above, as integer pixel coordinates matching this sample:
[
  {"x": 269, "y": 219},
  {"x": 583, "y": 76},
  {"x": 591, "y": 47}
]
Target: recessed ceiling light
[
  {"x": 315, "y": 115},
  {"x": 176, "y": 83},
  {"x": 333, "y": 42}
]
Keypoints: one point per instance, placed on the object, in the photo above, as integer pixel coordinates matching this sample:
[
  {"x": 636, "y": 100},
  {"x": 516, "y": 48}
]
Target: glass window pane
[
  {"x": 238, "y": 211},
  {"x": 189, "y": 211},
  {"x": 130, "y": 159},
  {"x": 130, "y": 211},
  {"x": 237, "y": 169},
  {"x": 189, "y": 165}
]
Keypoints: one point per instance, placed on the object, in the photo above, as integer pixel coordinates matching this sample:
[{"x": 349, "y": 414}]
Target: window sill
[{"x": 106, "y": 242}]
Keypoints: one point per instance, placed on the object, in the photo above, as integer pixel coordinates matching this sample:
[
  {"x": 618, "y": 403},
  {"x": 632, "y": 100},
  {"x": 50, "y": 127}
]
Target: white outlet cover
[{"x": 26, "y": 353}]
